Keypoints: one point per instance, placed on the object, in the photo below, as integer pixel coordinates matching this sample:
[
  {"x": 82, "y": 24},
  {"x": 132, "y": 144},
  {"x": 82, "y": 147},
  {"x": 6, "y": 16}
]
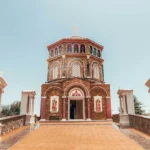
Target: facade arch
[
  {"x": 76, "y": 60},
  {"x": 76, "y": 92},
  {"x": 52, "y": 87},
  {"x": 99, "y": 87},
  {"x": 78, "y": 85}
]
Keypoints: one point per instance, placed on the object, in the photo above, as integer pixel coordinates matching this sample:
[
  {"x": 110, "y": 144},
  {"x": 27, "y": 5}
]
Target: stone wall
[
  {"x": 140, "y": 123},
  {"x": 116, "y": 118},
  {"x": 12, "y": 123}
]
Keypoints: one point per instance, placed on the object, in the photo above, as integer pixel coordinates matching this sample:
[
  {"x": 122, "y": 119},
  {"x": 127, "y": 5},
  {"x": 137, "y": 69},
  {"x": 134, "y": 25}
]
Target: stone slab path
[{"x": 76, "y": 136}]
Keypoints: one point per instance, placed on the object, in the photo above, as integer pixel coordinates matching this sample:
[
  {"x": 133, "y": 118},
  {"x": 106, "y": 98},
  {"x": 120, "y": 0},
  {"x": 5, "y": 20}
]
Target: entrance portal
[{"x": 76, "y": 109}]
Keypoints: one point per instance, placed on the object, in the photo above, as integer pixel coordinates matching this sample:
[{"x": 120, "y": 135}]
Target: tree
[
  {"x": 138, "y": 106},
  {"x": 12, "y": 109}
]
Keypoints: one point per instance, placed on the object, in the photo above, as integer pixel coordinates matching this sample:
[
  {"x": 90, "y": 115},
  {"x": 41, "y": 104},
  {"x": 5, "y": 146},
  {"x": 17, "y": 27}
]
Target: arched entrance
[{"x": 76, "y": 104}]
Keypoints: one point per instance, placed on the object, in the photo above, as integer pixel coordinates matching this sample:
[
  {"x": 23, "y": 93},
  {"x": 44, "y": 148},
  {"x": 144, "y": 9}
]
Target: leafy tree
[
  {"x": 12, "y": 109},
  {"x": 138, "y": 106}
]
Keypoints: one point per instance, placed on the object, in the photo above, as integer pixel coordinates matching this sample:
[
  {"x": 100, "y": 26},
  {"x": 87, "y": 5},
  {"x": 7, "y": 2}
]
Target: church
[{"x": 75, "y": 88}]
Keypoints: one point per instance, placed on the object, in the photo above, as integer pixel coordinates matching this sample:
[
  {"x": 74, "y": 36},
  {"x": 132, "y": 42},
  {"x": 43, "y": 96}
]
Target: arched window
[
  {"x": 69, "y": 48},
  {"x": 52, "y": 53},
  {"x": 82, "y": 48},
  {"x": 96, "y": 72},
  {"x": 56, "y": 51},
  {"x": 98, "y": 53},
  {"x": 76, "y": 70},
  {"x": 76, "y": 48},
  {"x": 55, "y": 72},
  {"x": 94, "y": 53},
  {"x": 91, "y": 50},
  {"x": 60, "y": 49}
]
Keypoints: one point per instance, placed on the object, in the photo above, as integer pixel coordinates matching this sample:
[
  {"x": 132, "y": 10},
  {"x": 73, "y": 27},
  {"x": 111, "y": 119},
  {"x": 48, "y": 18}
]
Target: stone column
[
  {"x": 30, "y": 105},
  {"x": 33, "y": 106},
  {"x": 124, "y": 105},
  {"x": 79, "y": 48},
  {"x": 63, "y": 69},
  {"x": 88, "y": 108},
  {"x": 64, "y": 108},
  {"x": 88, "y": 67},
  {"x": 121, "y": 110},
  {"x": 43, "y": 108},
  {"x": 108, "y": 103}
]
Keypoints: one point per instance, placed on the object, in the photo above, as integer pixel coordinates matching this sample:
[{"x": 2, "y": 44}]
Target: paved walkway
[{"x": 76, "y": 136}]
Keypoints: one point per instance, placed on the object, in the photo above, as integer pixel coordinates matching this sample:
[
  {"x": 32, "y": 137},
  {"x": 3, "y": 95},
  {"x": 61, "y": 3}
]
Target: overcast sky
[{"x": 28, "y": 27}]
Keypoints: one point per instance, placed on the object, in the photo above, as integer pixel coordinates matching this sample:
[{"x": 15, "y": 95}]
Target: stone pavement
[
  {"x": 76, "y": 136},
  {"x": 139, "y": 137},
  {"x": 13, "y": 137}
]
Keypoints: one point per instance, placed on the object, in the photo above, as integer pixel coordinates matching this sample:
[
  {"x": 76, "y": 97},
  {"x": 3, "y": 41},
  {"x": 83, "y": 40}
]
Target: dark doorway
[
  {"x": 72, "y": 109},
  {"x": 76, "y": 109}
]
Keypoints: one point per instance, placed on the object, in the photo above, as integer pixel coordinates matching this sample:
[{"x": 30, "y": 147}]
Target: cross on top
[{"x": 75, "y": 31}]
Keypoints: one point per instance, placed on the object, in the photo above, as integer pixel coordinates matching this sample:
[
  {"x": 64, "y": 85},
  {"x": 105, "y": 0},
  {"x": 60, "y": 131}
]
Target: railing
[
  {"x": 116, "y": 118},
  {"x": 141, "y": 123},
  {"x": 11, "y": 123}
]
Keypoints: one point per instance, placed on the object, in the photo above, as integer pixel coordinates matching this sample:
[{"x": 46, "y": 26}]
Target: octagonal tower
[{"x": 75, "y": 87}]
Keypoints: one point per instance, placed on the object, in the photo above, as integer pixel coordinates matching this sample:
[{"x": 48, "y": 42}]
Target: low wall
[
  {"x": 140, "y": 123},
  {"x": 116, "y": 118},
  {"x": 11, "y": 123}
]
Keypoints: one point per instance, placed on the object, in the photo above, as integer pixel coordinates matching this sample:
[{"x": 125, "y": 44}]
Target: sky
[{"x": 28, "y": 27}]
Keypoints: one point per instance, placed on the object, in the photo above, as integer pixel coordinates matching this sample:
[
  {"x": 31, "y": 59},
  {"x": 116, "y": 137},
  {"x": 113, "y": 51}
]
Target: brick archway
[
  {"x": 52, "y": 87},
  {"x": 79, "y": 85},
  {"x": 99, "y": 87}
]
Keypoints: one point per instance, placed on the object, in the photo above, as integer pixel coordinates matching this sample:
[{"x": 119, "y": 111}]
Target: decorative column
[
  {"x": 79, "y": 48},
  {"x": 88, "y": 108},
  {"x": 121, "y": 107},
  {"x": 64, "y": 108},
  {"x": 88, "y": 66},
  {"x": 124, "y": 105},
  {"x": 33, "y": 106},
  {"x": 63, "y": 75},
  {"x": 43, "y": 108},
  {"x": 108, "y": 104}
]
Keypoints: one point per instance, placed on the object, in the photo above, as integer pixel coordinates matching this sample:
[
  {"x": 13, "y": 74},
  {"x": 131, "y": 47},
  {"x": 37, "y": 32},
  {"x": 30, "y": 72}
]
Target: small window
[
  {"x": 69, "y": 48},
  {"x": 56, "y": 51},
  {"x": 76, "y": 70},
  {"x": 76, "y": 48},
  {"x": 91, "y": 50},
  {"x": 52, "y": 53},
  {"x": 55, "y": 72},
  {"x": 98, "y": 53},
  {"x": 94, "y": 53},
  {"x": 82, "y": 48},
  {"x": 60, "y": 49},
  {"x": 96, "y": 72}
]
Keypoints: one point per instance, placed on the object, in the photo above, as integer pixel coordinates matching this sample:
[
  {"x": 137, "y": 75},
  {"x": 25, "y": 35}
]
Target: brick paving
[
  {"x": 76, "y": 136},
  {"x": 12, "y": 139},
  {"x": 141, "y": 138}
]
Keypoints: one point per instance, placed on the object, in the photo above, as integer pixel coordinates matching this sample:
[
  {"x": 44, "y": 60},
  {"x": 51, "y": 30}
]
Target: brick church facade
[{"x": 75, "y": 87}]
